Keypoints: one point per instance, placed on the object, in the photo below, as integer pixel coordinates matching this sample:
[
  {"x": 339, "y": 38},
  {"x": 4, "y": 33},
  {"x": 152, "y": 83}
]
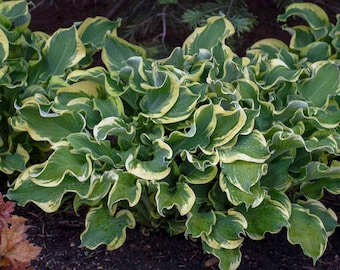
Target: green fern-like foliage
[{"x": 235, "y": 11}]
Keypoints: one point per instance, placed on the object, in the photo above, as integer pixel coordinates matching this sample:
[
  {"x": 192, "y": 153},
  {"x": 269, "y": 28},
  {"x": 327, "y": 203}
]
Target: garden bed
[{"x": 58, "y": 233}]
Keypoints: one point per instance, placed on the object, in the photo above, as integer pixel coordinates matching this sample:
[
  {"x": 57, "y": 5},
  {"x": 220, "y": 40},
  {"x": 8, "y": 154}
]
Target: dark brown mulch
[{"x": 58, "y": 233}]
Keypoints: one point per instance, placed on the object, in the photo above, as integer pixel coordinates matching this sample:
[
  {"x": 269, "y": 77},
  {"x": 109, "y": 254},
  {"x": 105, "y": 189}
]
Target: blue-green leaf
[
  {"x": 273, "y": 215},
  {"x": 199, "y": 222},
  {"x": 93, "y": 30},
  {"x": 181, "y": 196},
  {"x": 242, "y": 174},
  {"x": 216, "y": 30},
  {"x": 308, "y": 231},
  {"x": 104, "y": 228},
  {"x": 226, "y": 232},
  {"x": 323, "y": 83},
  {"x": 327, "y": 215},
  {"x": 154, "y": 169},
  {"x": 48, "y": 199},
  {"x": 229, "y": 259},
  {"x": 63, "y": 50},
  {"x": 44, "y": 126},
  {"x": 63, "y": 161},
  {"x": 117, "y": 51},
  {"x": 125, "y": 187}
]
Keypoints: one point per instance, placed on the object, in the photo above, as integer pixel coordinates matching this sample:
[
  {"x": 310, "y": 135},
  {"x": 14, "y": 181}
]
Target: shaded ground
[{"x": 58, "y": 233}]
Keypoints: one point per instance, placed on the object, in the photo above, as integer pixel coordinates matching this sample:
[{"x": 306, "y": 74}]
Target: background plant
[{"x": 203, "y": 142}]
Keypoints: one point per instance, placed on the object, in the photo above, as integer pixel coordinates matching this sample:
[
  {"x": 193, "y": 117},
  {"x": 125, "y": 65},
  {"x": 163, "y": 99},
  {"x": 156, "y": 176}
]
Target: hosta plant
[
  {"x": 34, "y": 64},
  {"x": 204, "y": 142}
]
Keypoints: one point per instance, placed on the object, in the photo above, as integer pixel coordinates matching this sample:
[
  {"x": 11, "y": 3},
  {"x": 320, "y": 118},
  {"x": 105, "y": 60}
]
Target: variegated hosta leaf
[
  {"x": 4, "y": 47},
  {"x": 281, "y": 198},
  {"x": 269, "y": 46},
  {"x": 316, "y": 170},
  {"x": 218, "y": 198},
  {"x": 302, "y": 36},
  {"x": 79, "y": 97},
  {"x": 196, "y": 71},
  {"x": 226, "y": 233},
  {"x": 229, "y": 259},
  {"x": 154, "y": 169},
  {"x": 316, "y": 51},
  {"x": 278, "y": 177},
  {"x": 17, "y": 13},
  {"x": 62, "y": 50},
  {"x": 80, "y": 89},
  {"x": 113, "y": 126},
  {"x": 10, "y": 162},
  {"x": 290, "y": 58},
  {"x": 94, "y": 74},
  {"x": 193, "y": 175},
  {"x": 322, "y": 118},
  {"x": 117, "y": 51},
  {"x": 110, "y": 106},
  {"x": 199, "y": 222},
  {"x": 273, "y": 215},
  {"x": 288, "y": 113},
  {"x": 279, "y": 72},
  {"x": 100, "y": 76},
  {"x": 81, "y": 143},
  {"x": 221, "y": 53},
  {"x": 158, "y": 100},
  {"x": 200, "y": 160},
  {"x": 323, "y": 141},
  {"x": 93, "y": 30},
  {"x": 182, "y": 109},
  {"x": 228, "y": 124},
  {"x": 327, "y": 215},
  {"x": 242, "y": 174},
  {"x": 100, "y": 186},
  {"x": 284, "y": 141},
  {"x": 125, "y": 187},
  {"x": 308, "y": 231},
  {"x": 104, "y": 228},
  {"x": 237, "y": 196},
  {"x": 243, "y": 163},
  {"x": 181, "y": 196},
  {"x": 216, "y": 30},
  {"x": 323, "y": 83},
  {"x": 62, "y": 161},
  {"x": 251, "y": 148},
  {"x": 199, "y": 134},
  {"x": 315, "y": 189},
  {"x": 43, "y": 126},
  {"x": 315, "y": 16},
  {"x": 47, "y": 198},
  {"x": 249, "y": 92},
  {"x": 151, "y": 133},
  {"x": 133, "y": 74}
]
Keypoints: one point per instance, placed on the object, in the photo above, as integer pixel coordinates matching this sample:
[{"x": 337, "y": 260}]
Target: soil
[{"x": 58, "y": 233}]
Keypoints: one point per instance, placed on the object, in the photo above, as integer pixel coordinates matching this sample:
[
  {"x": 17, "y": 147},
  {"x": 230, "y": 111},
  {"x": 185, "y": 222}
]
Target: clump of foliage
[
  {"x": 204, "y": 142},
  {"x": 16, "y": 253}
]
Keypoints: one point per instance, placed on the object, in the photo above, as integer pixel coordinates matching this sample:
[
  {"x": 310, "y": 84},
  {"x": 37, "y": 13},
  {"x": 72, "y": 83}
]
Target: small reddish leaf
[
  {"x": 6, "y": 209},
  {"x": 15, "y": 250}
]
